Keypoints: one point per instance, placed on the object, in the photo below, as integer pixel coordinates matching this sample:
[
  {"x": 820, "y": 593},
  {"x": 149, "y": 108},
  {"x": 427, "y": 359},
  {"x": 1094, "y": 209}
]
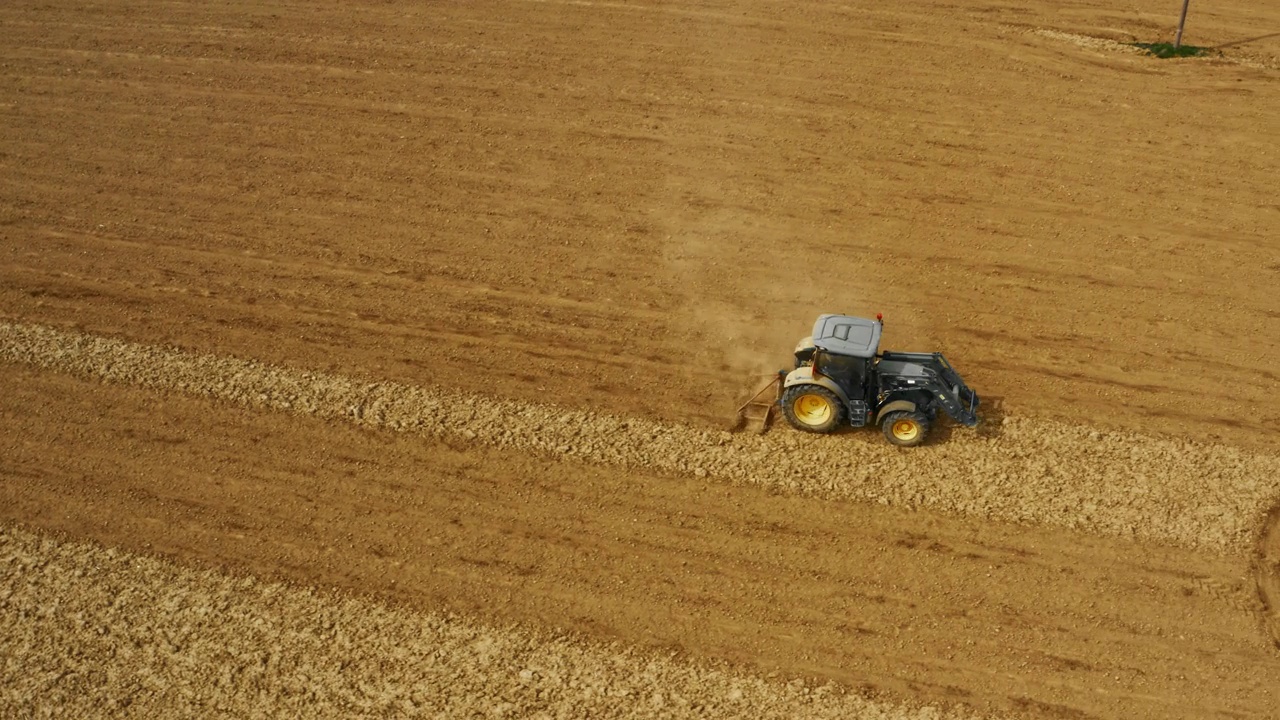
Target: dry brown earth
[
  {"x": 631, "y": 206},
  {"x": 904, "y": 606},
  {"x": 445, "y": 305}
]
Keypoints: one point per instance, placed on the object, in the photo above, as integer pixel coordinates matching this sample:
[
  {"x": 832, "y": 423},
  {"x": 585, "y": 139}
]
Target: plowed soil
[{"x": 443, "y": 309}]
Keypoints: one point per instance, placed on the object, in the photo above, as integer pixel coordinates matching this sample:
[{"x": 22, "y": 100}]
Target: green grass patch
[{"x": 1167, "y": 50}]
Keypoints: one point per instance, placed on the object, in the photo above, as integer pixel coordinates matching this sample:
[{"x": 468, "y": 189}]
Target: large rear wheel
[
  {"x": 905, "y": 428},
  {"x": 812, "y": 408}
]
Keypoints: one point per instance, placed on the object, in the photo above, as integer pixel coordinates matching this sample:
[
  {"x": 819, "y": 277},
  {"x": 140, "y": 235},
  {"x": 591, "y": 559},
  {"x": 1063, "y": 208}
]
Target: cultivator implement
[{"x": 758, "y": 411}]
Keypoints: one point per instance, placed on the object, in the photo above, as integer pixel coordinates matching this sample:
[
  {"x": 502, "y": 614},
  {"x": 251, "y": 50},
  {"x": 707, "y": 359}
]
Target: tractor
[{"x": 842, "y": 379}]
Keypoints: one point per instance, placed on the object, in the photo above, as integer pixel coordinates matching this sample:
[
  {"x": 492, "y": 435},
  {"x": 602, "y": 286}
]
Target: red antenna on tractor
[{"x": 880, "y": 318}]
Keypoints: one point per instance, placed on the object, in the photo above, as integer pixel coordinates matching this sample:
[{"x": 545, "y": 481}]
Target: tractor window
[{"x": 849, "y": 372}]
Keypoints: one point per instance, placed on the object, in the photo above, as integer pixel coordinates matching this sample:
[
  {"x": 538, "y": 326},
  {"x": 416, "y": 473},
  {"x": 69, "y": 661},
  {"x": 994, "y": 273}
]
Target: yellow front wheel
[
  {"x": 904, "y": 428},
  {"x": 812, "y": 408}
]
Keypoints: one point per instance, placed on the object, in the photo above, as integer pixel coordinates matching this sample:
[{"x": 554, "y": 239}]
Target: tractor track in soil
[
  {"x": 1031, "y": 471},
  {"x": 1267, "y": 571}
]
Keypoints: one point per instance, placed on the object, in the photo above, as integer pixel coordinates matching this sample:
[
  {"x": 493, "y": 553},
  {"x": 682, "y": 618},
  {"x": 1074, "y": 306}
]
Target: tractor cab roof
[{"x": 846, "y": 335}]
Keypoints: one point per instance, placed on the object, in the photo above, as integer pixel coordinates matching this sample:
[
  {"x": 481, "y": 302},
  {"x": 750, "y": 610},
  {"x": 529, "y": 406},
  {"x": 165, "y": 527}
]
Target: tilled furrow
[
  {"x": 102, "y": 632},
  {"x": 1026, "y": 470}
]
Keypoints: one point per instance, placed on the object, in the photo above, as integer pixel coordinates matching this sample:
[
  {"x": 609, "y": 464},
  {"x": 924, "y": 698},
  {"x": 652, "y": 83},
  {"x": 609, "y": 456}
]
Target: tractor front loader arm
[{"x": 945, "y": 385}]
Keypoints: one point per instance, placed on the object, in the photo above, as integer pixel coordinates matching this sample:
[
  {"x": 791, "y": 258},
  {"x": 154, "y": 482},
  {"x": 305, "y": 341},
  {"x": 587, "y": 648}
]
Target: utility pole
[{"x": 1182, "y": 21}]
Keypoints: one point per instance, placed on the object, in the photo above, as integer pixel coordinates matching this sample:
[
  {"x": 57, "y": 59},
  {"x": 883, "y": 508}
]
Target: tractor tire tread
[{"x": 789, "y": 396}]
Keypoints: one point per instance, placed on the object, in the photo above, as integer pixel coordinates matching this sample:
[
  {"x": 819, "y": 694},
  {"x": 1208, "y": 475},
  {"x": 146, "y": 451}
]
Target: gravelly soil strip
[
  {"x": 1025, "y": 470},
  {"x": 86, "y": 632}
]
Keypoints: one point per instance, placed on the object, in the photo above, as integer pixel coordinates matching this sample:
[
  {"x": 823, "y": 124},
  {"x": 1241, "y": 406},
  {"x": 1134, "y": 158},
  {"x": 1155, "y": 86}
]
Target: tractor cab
[{"x": 842, "y": 349}]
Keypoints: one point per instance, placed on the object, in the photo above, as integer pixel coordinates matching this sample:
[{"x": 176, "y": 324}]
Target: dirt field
[{"x": 446, "y": 307}]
